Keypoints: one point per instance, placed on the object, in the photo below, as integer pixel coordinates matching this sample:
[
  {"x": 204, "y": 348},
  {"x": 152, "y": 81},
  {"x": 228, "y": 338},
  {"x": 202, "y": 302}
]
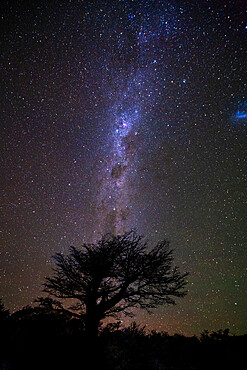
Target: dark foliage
[
  {"x": 104, "y": 279},
  {"x": 37, "y": 339}
]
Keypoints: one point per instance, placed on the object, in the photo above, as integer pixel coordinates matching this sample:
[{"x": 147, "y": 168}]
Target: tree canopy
[{"x": 114, "y": 275}]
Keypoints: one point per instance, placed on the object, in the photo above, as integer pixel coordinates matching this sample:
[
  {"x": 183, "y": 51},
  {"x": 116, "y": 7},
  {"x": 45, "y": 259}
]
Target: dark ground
[{"x": 38, "y": 341}]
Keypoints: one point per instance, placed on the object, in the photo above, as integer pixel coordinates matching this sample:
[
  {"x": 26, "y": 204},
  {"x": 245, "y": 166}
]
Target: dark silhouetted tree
[{"x": 112, "y": 276}]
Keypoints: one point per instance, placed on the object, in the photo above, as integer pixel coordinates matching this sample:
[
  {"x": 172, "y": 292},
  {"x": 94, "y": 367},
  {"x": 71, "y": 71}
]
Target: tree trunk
[
  {"x": 92, "y": 327},
  {"x": 94, "y": 352}
]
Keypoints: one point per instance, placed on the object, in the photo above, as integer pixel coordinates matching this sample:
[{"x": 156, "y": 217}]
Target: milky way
[
  {"x": 127, "y": 114},
  {"x": 130, "y": 106},
  {"x": 114, "y": 194}
]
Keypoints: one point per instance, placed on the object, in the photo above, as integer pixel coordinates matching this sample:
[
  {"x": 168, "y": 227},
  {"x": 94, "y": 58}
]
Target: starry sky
[{"x": 127, "y": 114}]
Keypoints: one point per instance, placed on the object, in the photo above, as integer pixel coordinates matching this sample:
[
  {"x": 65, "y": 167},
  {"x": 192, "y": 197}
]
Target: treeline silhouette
[{"x": 33, "y": 338}]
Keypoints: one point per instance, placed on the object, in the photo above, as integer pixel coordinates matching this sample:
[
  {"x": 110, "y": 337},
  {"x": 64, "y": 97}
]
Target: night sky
[{"x": 127, "y": 114}]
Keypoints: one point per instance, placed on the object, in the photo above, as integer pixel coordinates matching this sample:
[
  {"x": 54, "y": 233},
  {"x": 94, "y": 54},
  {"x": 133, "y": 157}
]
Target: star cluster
[{"x": 126, "y": 114}]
